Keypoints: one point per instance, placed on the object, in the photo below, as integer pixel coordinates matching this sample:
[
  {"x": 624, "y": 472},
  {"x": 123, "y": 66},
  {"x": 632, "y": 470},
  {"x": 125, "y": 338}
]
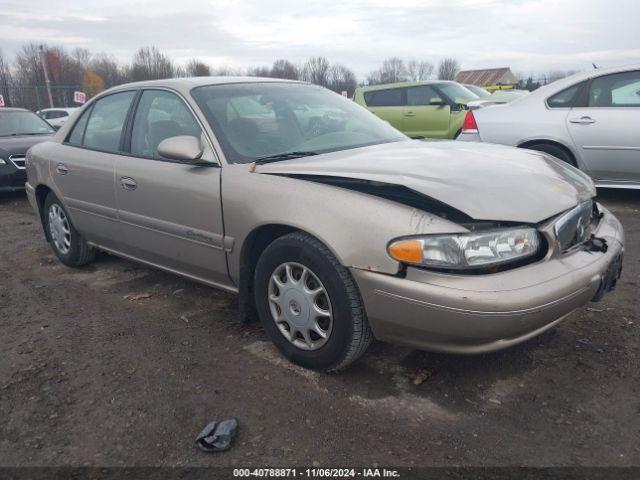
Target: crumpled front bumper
[{"x": 481, "y": 313}]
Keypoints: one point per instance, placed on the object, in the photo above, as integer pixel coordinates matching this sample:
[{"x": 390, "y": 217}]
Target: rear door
[
  {"x": 388, "y": 104},
  {"x": 422, "y": 119},
  {"x": 170, "y": 212},
  {"x": 83, "y": 167},
  {"x": 605, "y": 127}
]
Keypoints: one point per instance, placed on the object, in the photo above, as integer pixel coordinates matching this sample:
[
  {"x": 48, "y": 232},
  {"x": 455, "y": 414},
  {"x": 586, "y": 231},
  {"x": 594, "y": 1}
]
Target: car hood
[
  {"x": 484, "y": 181},
  {"x": 19, "y": 145}
]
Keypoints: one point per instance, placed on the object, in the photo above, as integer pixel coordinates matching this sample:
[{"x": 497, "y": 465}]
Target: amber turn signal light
[{"x": 408, "y": 251}]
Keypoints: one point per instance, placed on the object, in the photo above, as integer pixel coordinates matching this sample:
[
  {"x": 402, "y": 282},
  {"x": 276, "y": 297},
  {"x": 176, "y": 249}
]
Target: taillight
[{"x": 469, "y": 125}]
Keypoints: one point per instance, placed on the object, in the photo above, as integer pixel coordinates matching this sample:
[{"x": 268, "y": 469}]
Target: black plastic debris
[{"x": 217, "y": 437}]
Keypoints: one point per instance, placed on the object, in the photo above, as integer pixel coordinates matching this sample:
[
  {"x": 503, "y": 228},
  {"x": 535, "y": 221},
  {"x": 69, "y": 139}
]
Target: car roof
[
  {"x": 185, "y": 84},
  {"x": 384, "y": 86},
  {"x": 191, "y": 82},
  {"x": 563, "y": 83}
]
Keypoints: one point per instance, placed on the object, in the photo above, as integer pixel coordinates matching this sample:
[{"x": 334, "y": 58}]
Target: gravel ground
[{"x": 92, "y": 376}]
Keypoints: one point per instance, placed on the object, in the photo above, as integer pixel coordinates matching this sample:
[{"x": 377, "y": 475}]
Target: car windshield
[
  {"x": 14, "y": 123},
  {"x": 257, "y": 120},
  {"x": 457, "y": 93},
  {"x": 479, "y": 91}
]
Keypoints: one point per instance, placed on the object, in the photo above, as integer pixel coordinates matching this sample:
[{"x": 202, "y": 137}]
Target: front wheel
[
  {"x": 68, "y": 245},
  {"x": 309, "y": 304}
]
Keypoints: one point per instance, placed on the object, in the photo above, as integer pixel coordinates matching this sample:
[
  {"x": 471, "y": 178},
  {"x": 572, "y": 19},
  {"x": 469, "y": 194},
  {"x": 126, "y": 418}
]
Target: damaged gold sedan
[{"x": 333, "y": 227}]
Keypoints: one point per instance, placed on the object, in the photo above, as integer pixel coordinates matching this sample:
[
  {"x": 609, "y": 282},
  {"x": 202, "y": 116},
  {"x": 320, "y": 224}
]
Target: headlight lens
[
  {"x": 2, "y": 162},
  {"x": 467, "y": 250}
]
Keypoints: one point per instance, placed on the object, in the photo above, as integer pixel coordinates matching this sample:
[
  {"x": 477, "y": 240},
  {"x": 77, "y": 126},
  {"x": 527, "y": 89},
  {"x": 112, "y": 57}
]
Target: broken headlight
[
  {"x": 467, "y": 250},
  {"x": 573, "y": 227}
]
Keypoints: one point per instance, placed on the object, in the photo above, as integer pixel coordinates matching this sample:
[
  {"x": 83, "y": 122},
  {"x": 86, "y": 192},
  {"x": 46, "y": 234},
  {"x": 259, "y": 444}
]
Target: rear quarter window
[
  {"x": 565, "y": 98},
  {"x": 77, "y": 134},
  {"x": 392, "y": 97}
]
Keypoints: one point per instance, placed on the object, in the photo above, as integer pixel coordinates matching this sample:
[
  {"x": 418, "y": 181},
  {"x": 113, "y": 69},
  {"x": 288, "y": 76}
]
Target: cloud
[{"x": 528, "y": 35}]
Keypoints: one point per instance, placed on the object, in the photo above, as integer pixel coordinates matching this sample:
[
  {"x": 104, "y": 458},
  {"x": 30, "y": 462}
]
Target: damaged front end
[
  {"x": 489, "y": 247},
  {"x": 392, "y": 192}
]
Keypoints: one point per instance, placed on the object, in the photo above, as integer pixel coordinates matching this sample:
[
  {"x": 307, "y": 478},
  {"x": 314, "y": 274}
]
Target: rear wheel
[
  {"x": 554, "y": 150},
  {"x": 68, "y": 245},
  {"x": 309, "y": 304}
]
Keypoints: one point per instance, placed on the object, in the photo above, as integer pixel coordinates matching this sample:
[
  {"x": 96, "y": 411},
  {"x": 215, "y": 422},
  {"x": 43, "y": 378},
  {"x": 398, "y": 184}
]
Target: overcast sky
[{"x": 527, "y": 35}]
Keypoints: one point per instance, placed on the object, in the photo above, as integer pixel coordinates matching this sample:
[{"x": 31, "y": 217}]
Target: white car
[
  {"x": 590, "y": 120},
  {"x": 56, "y": 117}
]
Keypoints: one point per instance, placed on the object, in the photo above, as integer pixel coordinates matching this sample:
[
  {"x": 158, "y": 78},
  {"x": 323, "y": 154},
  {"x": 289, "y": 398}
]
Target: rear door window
[
  {"x": 106, "y": 123},
  {"x": 392, "y": 97}
]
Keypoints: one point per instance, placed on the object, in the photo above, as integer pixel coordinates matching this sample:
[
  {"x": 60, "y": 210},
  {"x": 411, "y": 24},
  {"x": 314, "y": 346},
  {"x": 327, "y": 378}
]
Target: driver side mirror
[
  {"x": 183, "y": 148},
  {"x": 437, "y": 102}
]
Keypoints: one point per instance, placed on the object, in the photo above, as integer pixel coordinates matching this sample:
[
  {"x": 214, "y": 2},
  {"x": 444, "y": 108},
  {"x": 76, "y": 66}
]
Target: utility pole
[{"x": 46, "y": 75}]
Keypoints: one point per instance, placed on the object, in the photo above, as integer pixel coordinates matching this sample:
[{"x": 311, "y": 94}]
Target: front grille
[
  {"x": 18, "y": 161},
  {"x": 574, "y": 227}
]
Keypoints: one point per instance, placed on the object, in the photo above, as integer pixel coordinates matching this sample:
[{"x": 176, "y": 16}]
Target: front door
[
  {"x": 606, "y": 129},
  {"x": 421, "y": 119},
  {"x": 170, "y": 212},
  {"x": 83, "y": 168}
]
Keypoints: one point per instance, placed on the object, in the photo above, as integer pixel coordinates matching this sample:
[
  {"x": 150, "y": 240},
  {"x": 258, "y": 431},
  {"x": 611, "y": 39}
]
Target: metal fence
[{"x": 35, "y": 97}]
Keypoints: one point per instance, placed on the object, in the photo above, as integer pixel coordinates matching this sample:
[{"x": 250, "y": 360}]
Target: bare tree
[
  {"x": 448, "y": 69},
  {"x": 5, "y": 79},
  {"x": 151, "y": 64},
  {"x": 342, "y": 79},
  {"x": 284, "y": 69},
  {"x": 82, "y": 56},
  {"x": 259, "y": 71},
  {"x": 417, "y": 71},
  {"x": 392, "y": 70},
  {"x": 225, "y": 71},
  {"x": 316, "y": 70},
  {"x": 29, "y": 75},
  {"x": 107, "y": 67},
  {"x": 197, "y": 68}
]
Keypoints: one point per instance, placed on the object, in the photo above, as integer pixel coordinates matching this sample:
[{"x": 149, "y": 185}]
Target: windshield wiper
[{"x": 283, "y": 156}]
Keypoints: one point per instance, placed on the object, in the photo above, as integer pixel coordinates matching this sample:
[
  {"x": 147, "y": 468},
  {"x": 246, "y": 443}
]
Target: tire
[
  {"x": 554, "y": 150},
  {"x": 347, "y": 329},
  {"x": 72, "y": 250}
]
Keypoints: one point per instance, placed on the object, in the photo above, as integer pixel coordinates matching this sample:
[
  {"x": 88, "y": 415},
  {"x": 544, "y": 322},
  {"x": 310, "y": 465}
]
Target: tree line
[{"x": 22, "y": 79}]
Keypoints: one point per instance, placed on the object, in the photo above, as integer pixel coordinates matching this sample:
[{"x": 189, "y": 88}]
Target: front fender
[{"x": 356, "y": 227}]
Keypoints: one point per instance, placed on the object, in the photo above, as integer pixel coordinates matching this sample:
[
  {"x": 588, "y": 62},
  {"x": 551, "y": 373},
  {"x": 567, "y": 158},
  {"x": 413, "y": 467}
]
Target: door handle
[
  {"x": 583, "y": 120},
  {"x": 62, "y": 169},
  {"x": 410, "y": 114},
  {"x": 128, "y": 183}
]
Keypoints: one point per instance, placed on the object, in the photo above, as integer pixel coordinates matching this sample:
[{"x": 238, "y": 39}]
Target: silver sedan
[
  {"x": 590, "y": 120},
  {"x": 333, "y": 227}
]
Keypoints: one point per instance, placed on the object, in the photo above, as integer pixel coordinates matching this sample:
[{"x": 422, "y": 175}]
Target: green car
[{"x": 433, "y": 109}]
